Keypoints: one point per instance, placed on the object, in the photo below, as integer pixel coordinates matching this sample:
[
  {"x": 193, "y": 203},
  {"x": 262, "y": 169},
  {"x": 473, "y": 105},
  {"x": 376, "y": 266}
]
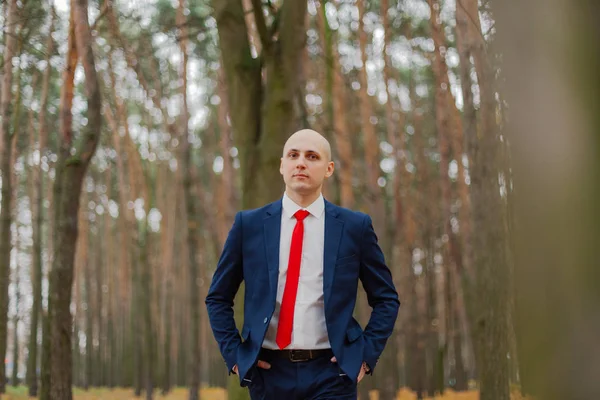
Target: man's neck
[{"x": 303, "y": 200}]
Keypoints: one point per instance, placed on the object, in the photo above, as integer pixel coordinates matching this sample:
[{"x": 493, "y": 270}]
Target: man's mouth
[{"x": 300, "y": 176}]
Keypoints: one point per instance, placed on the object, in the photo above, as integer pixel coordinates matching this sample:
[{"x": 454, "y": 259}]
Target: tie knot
[{"x": 301, "y": 214}]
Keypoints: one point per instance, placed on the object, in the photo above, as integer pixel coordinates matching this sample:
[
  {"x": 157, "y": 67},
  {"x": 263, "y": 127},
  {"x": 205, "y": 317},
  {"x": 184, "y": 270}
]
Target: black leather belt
[{"x": 297, "y": 355}]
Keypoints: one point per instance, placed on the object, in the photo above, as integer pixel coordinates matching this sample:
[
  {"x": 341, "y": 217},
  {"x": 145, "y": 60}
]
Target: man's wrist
[{"x": 365, "y": 367}]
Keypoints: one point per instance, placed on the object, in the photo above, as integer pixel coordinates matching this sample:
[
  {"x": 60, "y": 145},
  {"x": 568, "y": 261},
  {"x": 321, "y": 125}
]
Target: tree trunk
[
  {"x": 396, "y": 256},
  {"x": 192, "y": 222},
  {"x": 144, "y": 303},
  {"x": 416, "y": 341},
  {"x": 168, "y": 232},
  {"x": 70, "y": 171},
  {"x": 555, "y": 154},
  {"x": 469, "y": 129},
  {"x": 262, "y": 110},
  {"x": 338, "y": 109},
  {"x": 5, "y": 175},
  {"x": 489, "y": 321},
  {"x": 87, "y": 265},
  {"x": 37, "y": 216},
  {"x": 97, "y": 310},
  {"x": 373, "y": 194},
  {"x": 227, "y": 185},
  {"x": 374, "y": 197},
  {"x": 489, "y": 227},
  {"x": 112, "y": 311},
  {"x": 448, "y": 134},
  {"x": 432, "y": 313},
  {"x": 15, "y": 370},
  {"x": 45, "y": 362},
  {"x": 260, "y": 134}
]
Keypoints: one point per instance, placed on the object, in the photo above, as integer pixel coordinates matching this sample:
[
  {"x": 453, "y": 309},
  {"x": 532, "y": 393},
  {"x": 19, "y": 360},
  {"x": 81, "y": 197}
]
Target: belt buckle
[{"x": 299, "y": 355}]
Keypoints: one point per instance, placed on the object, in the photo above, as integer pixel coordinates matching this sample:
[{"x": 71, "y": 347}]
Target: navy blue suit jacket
[{"x": 351, "y": 253}]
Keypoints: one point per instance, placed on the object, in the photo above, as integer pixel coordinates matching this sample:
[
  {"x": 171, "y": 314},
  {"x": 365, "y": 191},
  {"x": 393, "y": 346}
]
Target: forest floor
[{"x": 20, "y": 393}]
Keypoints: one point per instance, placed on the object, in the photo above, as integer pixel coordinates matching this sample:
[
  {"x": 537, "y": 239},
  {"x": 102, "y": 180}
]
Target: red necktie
[{"x": 288, "y": 303}]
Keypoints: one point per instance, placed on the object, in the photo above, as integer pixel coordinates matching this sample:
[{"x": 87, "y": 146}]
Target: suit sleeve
[
  {"x": 381, "y": 295},
  {"x": 219, "y": 301}
]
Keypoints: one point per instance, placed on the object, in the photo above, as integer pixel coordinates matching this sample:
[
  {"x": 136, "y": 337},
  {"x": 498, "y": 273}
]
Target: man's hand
[
  {"x": 259, "y": 364},
  {"x": 363, "y": 369}
]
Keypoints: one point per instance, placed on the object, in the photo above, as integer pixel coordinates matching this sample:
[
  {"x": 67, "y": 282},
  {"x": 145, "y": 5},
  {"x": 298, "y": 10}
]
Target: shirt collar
[{"x": 316, "y": 209}]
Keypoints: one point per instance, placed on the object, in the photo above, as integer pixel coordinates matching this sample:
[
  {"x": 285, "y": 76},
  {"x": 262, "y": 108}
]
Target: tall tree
[
  {"x": 490, "y": 312},
  {"x": 6, "y": 137},
  {"x": 337, "y": 104},
  {"x": 373, "y": 193},
  {"x": 70, "y": 171},
  {"x": 336, "y": 92},
  {"x": 262, "y": 93},
  {"x": 448, "y": 135},
  {"x": 37, "y": 217},
  {"x": 190, "y": 206},
  {"x": 262, "y": 104},
  {"x": 556, "y": 162},
  {"x": 15, "y": 367}
]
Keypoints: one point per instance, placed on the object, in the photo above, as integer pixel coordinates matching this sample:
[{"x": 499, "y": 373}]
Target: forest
[{"x": 132, "y": 131}]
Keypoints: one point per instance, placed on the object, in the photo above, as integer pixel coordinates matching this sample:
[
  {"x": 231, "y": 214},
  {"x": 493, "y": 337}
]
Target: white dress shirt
[{"x": 309, "y": 330}]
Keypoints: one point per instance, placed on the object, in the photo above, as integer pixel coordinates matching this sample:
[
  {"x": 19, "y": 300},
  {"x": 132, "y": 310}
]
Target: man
[{"x": 301, "y": 258}]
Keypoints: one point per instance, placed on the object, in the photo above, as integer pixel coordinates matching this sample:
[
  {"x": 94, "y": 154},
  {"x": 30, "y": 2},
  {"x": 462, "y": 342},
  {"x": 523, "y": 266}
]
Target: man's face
[{"x": 306, "y": 162}]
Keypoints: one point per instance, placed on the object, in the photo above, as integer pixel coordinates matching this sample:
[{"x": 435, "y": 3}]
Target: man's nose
[{"x": 301, "y": 162}]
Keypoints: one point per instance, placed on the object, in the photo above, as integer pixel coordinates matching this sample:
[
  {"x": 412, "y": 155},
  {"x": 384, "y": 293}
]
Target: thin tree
[
  {"x": 37, "y": 216},
  {"x": 449, "y": 136},
  {"x": 70, "y": 171},
  {"x": 192, "y": 227},
  {"x": 336, "y": 92},
  {"x": 6, "y": 137}
]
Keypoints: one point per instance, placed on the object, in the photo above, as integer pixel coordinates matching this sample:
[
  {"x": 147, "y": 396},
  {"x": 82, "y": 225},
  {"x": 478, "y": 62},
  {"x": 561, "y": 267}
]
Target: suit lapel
[
  {"x": 333, "y": 234},
  {"x": 272, "y": 232}
]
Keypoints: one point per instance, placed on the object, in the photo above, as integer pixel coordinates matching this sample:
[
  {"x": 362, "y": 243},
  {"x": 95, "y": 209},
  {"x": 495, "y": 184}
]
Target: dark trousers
[{"x": 316, "y": 379}]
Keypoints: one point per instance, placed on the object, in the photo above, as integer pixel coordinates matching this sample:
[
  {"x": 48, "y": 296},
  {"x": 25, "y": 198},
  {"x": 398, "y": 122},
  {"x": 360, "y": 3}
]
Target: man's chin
[{"x": 302, "y": 189}]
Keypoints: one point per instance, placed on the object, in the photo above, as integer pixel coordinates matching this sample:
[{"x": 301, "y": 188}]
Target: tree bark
[
  {"x": 227, "y": 184},
  {"x": 192, "y": 222},
  {"x": 15, "y": 371},
  {"x": 374, "y": 197},
  {"x": 99, "y": 321},
  {"x": 396, "y": 256},
  {"x": 5, "y": 174},
  {"x": 168, "y": 236},
  {"x": 86, "y": 267},
  {"x": 489, "y": 316},
  {"x": 37, "y": 216},
  {"x": 112, "y": 311},
  {"x": 262, "y": 110},
  {"x": 336, "y": 86},
  {"x": 70, "y": 171},
  {"x": 448, "y": 135}
]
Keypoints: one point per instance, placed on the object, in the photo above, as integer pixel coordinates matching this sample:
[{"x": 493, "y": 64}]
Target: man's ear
[
  {"x": 281, "y": 165},
  {"x": 330, "y": 169}
]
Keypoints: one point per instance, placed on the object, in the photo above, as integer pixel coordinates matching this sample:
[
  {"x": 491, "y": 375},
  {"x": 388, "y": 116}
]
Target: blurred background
[{"x": 133, "y": 130}]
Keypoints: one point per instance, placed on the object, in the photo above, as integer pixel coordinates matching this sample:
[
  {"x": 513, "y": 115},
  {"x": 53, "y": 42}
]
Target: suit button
[{"x": 265, "y": 320}]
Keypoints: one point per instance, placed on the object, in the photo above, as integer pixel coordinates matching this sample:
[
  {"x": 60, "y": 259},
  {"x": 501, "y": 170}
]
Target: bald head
[{"x": 310, "y": 138}]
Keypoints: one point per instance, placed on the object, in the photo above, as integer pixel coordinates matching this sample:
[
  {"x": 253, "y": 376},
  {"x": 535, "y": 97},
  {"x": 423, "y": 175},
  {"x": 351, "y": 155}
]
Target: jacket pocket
[
  {"x": 345, "y": 260},
  {"x": 353, "y": 333}
]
